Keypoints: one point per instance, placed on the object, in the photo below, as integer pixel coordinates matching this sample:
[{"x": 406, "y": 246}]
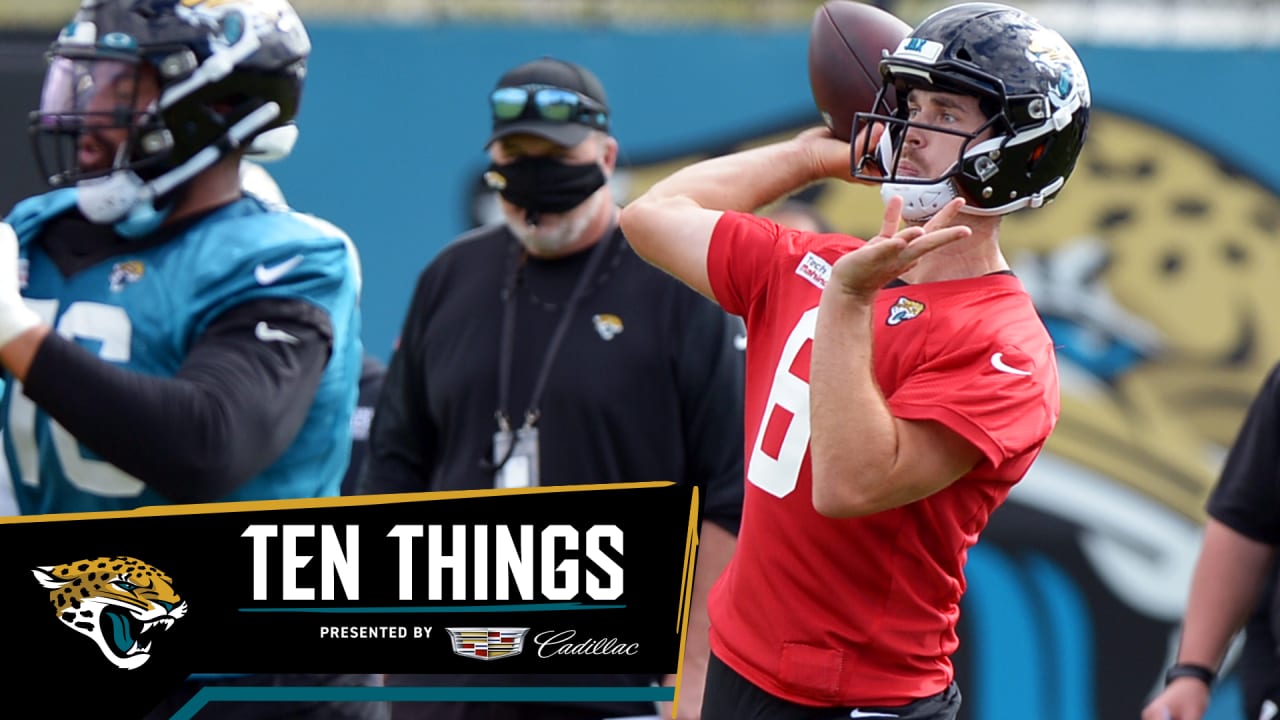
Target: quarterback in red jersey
[{"x": 898, "y": 387}]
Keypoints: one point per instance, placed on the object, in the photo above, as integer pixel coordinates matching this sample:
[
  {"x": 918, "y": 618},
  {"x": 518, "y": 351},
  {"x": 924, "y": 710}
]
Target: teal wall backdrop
[{"x": 394, "y": 118}]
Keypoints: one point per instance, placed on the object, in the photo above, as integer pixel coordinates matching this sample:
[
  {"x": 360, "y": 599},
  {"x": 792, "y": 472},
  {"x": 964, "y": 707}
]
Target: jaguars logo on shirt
[
  {"x": 903, "y": 310},
  {"x": 607, "y": 325},
  {"x": 123, "y": 273}
]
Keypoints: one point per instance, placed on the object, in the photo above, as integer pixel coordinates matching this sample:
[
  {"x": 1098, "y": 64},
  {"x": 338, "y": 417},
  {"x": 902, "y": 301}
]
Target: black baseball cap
[{"x": 551, "y": 72}]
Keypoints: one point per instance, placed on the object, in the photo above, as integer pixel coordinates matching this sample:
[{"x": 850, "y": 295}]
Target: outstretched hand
[{"x": 894, "y": 251}]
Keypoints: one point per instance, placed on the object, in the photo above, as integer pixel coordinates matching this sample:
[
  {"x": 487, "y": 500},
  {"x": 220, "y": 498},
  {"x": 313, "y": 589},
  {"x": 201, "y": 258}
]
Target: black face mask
[{"x": 545, "y": 185}]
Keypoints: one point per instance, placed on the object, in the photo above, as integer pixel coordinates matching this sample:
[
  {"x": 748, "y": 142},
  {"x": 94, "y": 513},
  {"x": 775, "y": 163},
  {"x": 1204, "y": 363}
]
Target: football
[{"x": 846, "y": 41}]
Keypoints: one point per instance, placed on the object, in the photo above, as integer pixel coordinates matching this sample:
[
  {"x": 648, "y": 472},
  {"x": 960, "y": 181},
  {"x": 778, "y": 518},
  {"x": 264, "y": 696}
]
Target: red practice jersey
[{"x": 863, "y": 611}]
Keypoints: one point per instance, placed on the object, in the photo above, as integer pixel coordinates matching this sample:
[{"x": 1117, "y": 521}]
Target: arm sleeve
[
  {"x": 231, "y": 409},
  {"x": 710, "y": 373},
  {"x": 1002, "y": 415},
  {"x": 402, "y": 439},
  {"x": 743, "y": 252},
  {"x": 1246, "y": 497},
  {"x": 738, "y": 258}
]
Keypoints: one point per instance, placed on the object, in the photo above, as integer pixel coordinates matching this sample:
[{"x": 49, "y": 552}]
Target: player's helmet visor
[{"x": 88, "y": 118}]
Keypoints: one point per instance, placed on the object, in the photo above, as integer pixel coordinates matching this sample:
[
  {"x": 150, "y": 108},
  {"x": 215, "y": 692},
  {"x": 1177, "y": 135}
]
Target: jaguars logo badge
[
  {"x": 903, "y": 310},
  {"x": 123, "y": 273},
  {"x": 120, "y": 603},
  {"x": 608, "y": 326}
]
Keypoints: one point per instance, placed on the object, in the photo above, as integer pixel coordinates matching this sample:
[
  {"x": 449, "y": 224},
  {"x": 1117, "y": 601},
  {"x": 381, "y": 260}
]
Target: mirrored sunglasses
[{"x": 547, "y": 103}]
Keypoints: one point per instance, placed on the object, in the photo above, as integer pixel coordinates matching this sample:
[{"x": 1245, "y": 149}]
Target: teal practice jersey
[{"x": 145, "y": 310}]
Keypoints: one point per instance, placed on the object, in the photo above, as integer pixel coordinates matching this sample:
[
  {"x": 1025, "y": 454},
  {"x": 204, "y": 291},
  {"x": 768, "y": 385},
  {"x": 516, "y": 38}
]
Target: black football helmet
[
  {"x": 228, "y": 74},
  {"x": 1030, "y": 85}
]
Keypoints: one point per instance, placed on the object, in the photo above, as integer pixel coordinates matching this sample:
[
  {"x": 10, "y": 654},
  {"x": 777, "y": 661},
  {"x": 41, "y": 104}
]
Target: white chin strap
[{"x": 112, "y": 198}]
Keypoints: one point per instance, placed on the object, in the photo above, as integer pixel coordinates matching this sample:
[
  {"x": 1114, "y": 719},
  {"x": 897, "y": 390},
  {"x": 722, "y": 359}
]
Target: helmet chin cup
[
  {"x": 920, "y": 202},
  {"x": 274, "y": 144},
  {"x": 122, "y": 200},
  {"x": 110, "y": 198}
]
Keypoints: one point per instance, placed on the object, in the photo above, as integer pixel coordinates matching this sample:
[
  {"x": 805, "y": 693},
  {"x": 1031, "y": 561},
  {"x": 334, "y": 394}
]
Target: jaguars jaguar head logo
[
  {"x": 903, "y": 310},
  {"x": 124, "y": 273},
  {"x": 607, "y": 325},
  {"x": 120, "y": 603}
]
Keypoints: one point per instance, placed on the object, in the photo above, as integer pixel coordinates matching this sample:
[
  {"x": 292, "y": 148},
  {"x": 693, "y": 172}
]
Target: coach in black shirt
[
  {"x": 1234, "y": 580},
  {"x": 543, "y": 351}
]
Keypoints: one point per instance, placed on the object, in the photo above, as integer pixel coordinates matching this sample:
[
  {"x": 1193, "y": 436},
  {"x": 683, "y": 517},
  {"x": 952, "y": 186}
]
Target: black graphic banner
[{"x": 538, "y": 581}]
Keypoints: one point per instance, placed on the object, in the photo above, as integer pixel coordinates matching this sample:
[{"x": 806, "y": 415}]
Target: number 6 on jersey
[{"x": 775, "y": 462}]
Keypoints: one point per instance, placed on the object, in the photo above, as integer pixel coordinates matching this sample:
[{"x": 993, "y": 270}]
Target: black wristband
[{"x": 1199, "y": 672}]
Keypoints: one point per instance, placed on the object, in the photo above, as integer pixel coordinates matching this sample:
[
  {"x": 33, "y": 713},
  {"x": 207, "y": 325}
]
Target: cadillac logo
[{"x": 487, "y": 643}]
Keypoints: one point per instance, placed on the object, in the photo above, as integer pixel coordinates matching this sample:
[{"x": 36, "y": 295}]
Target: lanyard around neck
[{"x": 507, "y": 348}]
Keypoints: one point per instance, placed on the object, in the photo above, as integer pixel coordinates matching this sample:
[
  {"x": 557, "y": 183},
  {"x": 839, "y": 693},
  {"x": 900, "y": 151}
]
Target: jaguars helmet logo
[
  {"x": 118, "y": 602},
  {"x": 1056, "y": 59},
  {"x": 903, "y": 310}
]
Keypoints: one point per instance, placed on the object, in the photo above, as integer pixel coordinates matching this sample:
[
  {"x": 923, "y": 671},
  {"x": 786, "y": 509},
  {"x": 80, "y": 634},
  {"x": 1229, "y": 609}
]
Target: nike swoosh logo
[
  {"x": 268, "y": 275},
  {"x": 862, "y": 714},
  {"x": 266, "y": 333},
  {"x": 997, "y": 362}
]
